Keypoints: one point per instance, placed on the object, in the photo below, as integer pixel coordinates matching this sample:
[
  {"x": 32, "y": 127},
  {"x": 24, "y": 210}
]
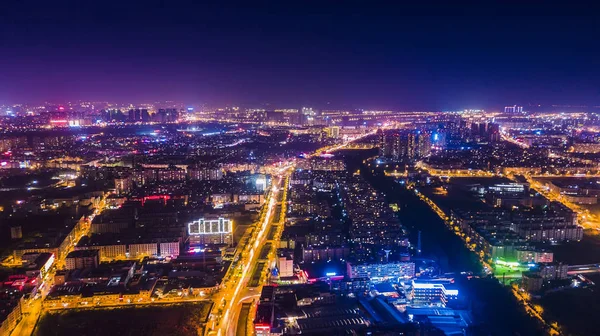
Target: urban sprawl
[{"x": 296, "y": 220}]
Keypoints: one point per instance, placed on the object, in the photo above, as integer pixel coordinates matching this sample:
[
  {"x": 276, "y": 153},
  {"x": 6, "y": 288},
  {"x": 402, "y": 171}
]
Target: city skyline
[
  {"x": 97, "y": 105},
  {"x": 279, "y": 168},
  {"x": 403, "y": 57}
]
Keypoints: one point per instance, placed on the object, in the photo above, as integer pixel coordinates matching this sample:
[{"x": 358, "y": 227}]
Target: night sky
[{"x": 336, "y": 54}]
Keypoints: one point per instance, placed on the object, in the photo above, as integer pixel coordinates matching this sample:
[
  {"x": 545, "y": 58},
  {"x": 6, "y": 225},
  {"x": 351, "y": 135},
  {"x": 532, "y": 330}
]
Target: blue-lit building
[
  {"x": 433, "y": 292},
  {"x": 378, "y": 272}
]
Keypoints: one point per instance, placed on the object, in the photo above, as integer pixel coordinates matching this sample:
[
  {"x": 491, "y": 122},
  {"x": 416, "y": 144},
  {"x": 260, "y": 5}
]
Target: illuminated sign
[
  {"x": 426, "y": 285},
  {"x": 210, "y": 226}
]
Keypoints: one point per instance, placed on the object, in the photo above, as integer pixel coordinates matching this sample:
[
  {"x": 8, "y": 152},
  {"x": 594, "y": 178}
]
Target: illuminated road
[
  {"x": 446, "y": 219},
  {"x": 33, "y": 307},
  {"x": 29, "y": 320},
  {"x": 506, "y": 137},
  {"x": 534, "y": 310},
  {"x": 229, "y": 300},
  {"x": 232, "y": 292},
  {"x": 249, "y": 294},
  {"x": 584, "y": 217},
  {"x": 531, "y": 309}
]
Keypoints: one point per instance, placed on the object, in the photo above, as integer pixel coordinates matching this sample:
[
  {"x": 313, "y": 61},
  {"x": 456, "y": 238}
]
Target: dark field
[{"x": 176, "y": 319}]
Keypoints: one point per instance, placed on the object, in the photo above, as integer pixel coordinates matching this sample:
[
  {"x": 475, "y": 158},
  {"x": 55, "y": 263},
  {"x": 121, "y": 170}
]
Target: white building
[
  {"x": 285, "y": 265},
  {"x": 210, "y": 231},
  {"x": 169, "y": 249}
]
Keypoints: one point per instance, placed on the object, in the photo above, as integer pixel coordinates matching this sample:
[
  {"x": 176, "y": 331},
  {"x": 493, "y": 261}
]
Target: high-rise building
[
  {"x": 483, "y": 129},
  {"x": 381, "y": 140},
  {"x": 405, "y": 145},
  {"x": 411, "y": 146},
  {"x": 494, "y": 132},
  {"x": 399, "y": 142},
  {"x": 136, "y": 114},
  {"x": 145, "y": 115},
  {"x": 424, "y": 144},
  {"x": 109, "y": 115},
  {"x": 167, "y": 115}
]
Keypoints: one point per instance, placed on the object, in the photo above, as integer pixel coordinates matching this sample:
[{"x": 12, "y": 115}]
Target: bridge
[
  {"x": 582, "y": 269},
  {"x": 363, "y": 145}
]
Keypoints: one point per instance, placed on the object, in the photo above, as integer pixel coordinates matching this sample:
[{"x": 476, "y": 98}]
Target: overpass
[
  {"x": 581, "y": 269},
  {"x": 360, "y": 146}
]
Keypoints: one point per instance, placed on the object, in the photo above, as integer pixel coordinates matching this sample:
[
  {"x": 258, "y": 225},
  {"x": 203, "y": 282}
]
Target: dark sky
[{"x": 289, "y": 53}]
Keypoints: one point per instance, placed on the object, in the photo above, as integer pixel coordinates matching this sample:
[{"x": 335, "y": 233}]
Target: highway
[
  {"x": 251, "y": 292},
  {"x": 236, "y": 292},
  {"x": 585, "y": 218},
  {"x": 234, "y": 289},
  {"x": 582, "y": 269}
]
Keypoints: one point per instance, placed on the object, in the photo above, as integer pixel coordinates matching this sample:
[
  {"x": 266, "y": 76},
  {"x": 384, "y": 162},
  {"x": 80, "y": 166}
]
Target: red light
[
  {"x": 261, "y": 326},
  {"x": 164, "y": 198},
  {"x": 61, "y": 108}
]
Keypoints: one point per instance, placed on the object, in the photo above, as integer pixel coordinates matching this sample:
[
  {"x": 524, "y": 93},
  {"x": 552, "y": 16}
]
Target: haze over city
[{"x": 405, "y": 56}]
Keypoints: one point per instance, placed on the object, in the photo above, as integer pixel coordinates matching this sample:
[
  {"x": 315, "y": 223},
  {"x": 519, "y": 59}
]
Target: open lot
[{"x": 176, "y": 319}]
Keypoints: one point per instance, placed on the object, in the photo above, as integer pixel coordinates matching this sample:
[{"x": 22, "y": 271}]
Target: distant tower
[
  {"x": 419, "y": 244},
  {"x": 387, "y": 255}
]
